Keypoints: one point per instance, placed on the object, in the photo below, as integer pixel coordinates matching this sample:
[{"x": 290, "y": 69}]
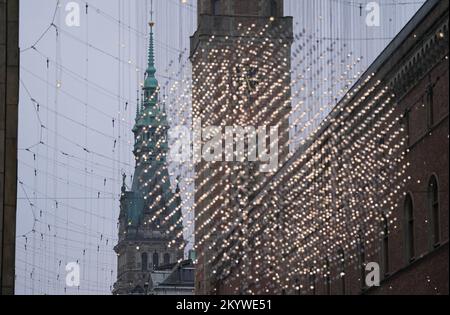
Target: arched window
[
  {"x": 433, "y": 202},
  {"x": 429, "y": 106},
  {"x": 215, "y": 7},
  {"x": 341, "y": 255},
  {"x": 144, "y": 261},
  {"x": 409, "y": 228},
  {"x": 155, "y": 260},
  {"x": 273, "y": 8},
  {"x": 166, "y": 259},
  {"x": 385, "y": 245}
]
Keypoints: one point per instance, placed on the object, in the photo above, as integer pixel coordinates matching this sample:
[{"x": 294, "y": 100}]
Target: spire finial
[
  {"x": 151, "y": 55},
  {"x": 151, "y": 13},
  {"x": 151, "y": 69},
  {"x": 151, "y": 23}
]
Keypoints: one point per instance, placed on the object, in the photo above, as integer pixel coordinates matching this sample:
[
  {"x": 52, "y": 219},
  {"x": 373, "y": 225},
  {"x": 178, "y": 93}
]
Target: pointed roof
[
  {"x": 150, "y": 131},
  {"x": 150, "y": 81},
  {"x": 149, "y": 114}
]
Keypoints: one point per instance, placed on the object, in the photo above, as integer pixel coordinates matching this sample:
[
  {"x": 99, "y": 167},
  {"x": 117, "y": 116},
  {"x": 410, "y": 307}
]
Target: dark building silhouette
[{"x": 9, "y": 98}]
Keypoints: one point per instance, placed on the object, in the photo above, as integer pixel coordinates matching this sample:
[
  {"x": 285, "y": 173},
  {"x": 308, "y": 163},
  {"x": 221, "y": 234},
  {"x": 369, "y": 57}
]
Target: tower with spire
[{"x": 150, "y": 221}]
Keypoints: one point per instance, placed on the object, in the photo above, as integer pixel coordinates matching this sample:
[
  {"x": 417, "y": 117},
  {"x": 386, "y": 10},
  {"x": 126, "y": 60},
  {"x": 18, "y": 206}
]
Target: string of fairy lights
[{"x": 70, "y": 176}]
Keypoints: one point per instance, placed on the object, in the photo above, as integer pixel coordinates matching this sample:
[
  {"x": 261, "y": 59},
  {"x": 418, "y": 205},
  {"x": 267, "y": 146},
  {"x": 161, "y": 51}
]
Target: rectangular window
[
  {"x": 407, "y": 127},
  {"x": 328, "y": 277},
  {"x": 436, "y": 226},
  {"x": 362, "y": 264},
  {"x": 430, "y": 104},
  {"x": 312, "y": 282},
  {"x": 215, "y": 7},
  {"x": 411, "y": 238},
  {"x": 386, "y": 254}
]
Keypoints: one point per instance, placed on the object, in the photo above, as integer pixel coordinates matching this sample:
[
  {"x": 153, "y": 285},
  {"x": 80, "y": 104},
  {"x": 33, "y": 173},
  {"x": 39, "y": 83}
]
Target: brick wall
[{"x": 428, "y": 156}]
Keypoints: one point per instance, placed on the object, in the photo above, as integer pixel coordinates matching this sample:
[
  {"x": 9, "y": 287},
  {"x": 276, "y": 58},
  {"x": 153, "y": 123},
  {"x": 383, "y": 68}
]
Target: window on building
[
  {"x": 361, "y": 251},
  {"x": 273, "y": 8},
  {"x": 166, "y": 259},
  {"x": 297, "y": 285},
  {"x": 144, "y": 261},
  {"x": 328, "y": 276},
  {"x": 155, "y": 260},
  {"x": 385, "y": 245},
  {"x": 407, "y": 126},
  {"x": 433, "y": 201},
  {"x": 429, "y": 105},
  {"x": 312, "y": 281},
  {"x": 149, "y": 135},
  {"x": 215, "y": 7},
  {"x": 409, "y": 228},
  {"x": 341, "y": 255}
]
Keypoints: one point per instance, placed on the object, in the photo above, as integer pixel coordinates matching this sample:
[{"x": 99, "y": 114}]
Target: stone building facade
[
  {"x": 9, "y": 99},
  {"x": 150, "y": 221}
]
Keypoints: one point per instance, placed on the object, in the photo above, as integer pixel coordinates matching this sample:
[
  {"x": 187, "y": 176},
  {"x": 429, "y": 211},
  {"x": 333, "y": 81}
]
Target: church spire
[
  {"x": 151, "y": 70},
  {"x": 150, "y": 82},
  {"x": 143, "y": 227}
]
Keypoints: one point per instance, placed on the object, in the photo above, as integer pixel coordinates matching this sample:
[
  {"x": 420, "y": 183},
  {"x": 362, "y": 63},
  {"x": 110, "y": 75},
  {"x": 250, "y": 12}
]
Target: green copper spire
[
  {"x": 151, "y": 82},
  {"x": 150, "y": 150}
]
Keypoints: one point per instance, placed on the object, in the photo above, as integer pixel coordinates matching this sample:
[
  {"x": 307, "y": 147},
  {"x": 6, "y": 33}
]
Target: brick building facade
[
  {"x": 371, "y": 185},
  {"x": 413, "y": 255},
  {"x": 418, "y": 261}
]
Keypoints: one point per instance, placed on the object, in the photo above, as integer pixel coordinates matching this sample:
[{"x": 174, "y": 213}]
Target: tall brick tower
[{"x": 240, "y": 57}]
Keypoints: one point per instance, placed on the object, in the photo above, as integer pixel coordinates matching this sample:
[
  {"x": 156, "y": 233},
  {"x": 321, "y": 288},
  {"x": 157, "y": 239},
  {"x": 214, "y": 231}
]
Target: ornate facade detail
[
  {"x": 422, "y": 58},
  {"x": 150, "y": 221}
]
